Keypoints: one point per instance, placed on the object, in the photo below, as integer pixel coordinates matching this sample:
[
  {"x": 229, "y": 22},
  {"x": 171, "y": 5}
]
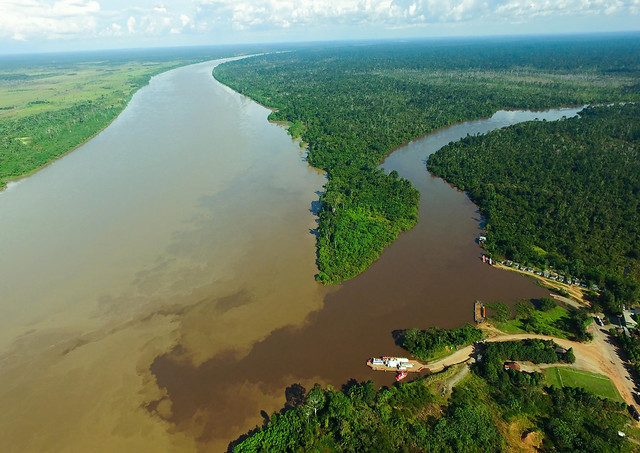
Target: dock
[
  {"x": 395, "y": 364},
  {"x": 479, "y": 312}
]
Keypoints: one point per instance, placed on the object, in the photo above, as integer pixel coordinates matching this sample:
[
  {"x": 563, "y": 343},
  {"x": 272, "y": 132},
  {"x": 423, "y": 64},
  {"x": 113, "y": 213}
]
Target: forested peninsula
[
  {"x": 353, "y": 104},
  {"x": 562, "y": 194}
]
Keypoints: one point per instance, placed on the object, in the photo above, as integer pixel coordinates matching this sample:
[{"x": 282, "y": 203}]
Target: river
[{"x": 157, "y": 283}]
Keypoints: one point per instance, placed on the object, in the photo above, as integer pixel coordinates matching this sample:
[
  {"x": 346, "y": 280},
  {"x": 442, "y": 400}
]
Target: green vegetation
[
  {"x": 594, "y": 383},
  {"x": 570, "y": 187},
  {"x": 546, "y": 304},
  {"x": 611, "y": 300},
  {"x": 531, "y": 350},
  {"x": 431, "y": 343},
  {"x": 543, "y": 317},
  {"x": 630, "y": 343},
  {"x": 502, "y": 312},
  {"x": 357, "y": 103},
  {"x": 480, "y": 415},
  {"x": 296, "y": 129},
  {"x": 50, "y": 104}
]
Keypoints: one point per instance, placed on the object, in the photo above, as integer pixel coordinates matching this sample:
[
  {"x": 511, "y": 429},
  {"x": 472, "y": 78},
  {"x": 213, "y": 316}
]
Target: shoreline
[
  {"x": 484, "y": 118},
  {"x": 15, "y": 179},
  {"x": 575, "y": 292},
  {"x": 75, "y": 147}
]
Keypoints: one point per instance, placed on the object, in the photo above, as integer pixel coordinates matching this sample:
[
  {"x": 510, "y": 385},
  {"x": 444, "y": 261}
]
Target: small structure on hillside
[{"x": 511, "y": 366}]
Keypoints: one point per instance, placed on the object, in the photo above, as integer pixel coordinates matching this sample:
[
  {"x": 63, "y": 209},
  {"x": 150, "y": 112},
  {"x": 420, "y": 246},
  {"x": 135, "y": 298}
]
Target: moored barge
[{"x": 394, "y": 364}]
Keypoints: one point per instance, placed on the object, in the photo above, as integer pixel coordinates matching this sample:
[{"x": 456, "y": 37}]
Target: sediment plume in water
[{"x": 158, "y": 283}]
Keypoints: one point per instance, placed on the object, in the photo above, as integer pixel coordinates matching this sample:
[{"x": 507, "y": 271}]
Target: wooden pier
[{"x": 479, "y": 312}]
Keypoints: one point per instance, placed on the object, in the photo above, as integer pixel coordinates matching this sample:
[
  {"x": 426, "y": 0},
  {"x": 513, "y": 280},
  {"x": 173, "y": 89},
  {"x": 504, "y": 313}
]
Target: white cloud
[
  {"x": 131, "y": 24},
  {"x": 54, "y": 19},
  {"x": 397, "y": 13},
  {"x": 22, "y": 20}
]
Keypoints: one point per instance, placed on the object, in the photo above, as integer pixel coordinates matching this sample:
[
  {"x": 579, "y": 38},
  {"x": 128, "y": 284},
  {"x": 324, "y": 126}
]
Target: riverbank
[
  {"x": 365, "y": 111},
  {"x": 194, "y": 273},
  {"x": 57, "y": 107},
  {"x": 575, "y": 292},
  {"x": 202, "y": 246},
  {"x": 597, "y": 357},
  {"x": 495, "y": 406}
]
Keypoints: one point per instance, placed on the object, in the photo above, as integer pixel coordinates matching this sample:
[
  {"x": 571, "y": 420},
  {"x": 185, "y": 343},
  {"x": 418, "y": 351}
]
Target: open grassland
[
  {"x": 544, "y": 321},
  {"x": 48, "y": 109},
  {"x": 595, "y": 383},
  {"x": 27, "y": 91},
  {"x": 50, "y": 104}
]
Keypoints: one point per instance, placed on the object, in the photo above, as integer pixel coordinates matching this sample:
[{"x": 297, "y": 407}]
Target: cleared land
[
  {"x": 595, "y": 383},
  {"x": 547, "y": 321}
]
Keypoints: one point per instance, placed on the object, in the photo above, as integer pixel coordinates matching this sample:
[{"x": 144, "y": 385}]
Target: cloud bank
[{"x": 31, "y": 20}]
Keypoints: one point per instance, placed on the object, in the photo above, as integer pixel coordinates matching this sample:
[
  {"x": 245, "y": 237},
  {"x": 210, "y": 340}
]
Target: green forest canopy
[
  {"x": 489, "y": 411},
  {"x": 425, "y": 344},
  {"x": 354, "y": 104},
  {"x": 562, "y": 194}
]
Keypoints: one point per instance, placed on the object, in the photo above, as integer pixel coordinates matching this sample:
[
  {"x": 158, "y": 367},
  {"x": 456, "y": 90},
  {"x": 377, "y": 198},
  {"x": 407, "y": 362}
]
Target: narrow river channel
[{"x": 157, "y": 284}]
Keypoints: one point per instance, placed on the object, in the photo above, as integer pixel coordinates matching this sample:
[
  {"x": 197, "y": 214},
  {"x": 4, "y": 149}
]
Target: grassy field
[
  {"x": 546, "y": 321},
  {"x": 595, "y": 383},
  {"x": 47, "y": 109},
  {"x": 28, "y": 90},
  {"x": 50, "y": 104}
]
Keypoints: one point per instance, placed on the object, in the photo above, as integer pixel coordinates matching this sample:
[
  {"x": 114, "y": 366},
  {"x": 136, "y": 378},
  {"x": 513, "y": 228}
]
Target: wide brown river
[{"x": 157, "y": 285}]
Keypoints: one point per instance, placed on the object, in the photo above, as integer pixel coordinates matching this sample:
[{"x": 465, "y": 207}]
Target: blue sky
[{"x": 50, "y": 25}]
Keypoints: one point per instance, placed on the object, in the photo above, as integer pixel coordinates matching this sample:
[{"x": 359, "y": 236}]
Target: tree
[
  {"x": 314, "y": 401},
  {"x": 569, "y": 356},
  {"x": 546, "y": 304},
  {"x": 502, "y": 311},
  {"x": 524, "y": 309}
]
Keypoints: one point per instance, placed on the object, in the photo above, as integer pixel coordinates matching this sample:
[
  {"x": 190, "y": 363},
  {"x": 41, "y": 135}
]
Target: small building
[{"x": 511, "y": 366}]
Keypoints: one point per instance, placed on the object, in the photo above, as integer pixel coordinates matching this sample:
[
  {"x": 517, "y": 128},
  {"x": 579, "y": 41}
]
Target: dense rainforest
[
  {"x": 563, "y": 194},
  {"x": 353, "y": 104},
  {"x": 426, "y": 344},
  {"x": 491, "y": 410}
]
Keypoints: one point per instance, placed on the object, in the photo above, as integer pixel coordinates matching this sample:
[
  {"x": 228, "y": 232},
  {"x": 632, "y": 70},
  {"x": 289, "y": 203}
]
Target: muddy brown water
[{"x": 157, "y": 284}]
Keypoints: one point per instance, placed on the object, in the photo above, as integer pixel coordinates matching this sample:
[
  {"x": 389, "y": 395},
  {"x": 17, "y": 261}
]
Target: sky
[{"x": 48, "y": 25}]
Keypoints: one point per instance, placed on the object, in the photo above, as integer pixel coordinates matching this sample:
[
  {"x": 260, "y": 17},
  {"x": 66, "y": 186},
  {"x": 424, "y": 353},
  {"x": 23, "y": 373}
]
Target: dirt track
[{"x": 598, "y": 356}]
